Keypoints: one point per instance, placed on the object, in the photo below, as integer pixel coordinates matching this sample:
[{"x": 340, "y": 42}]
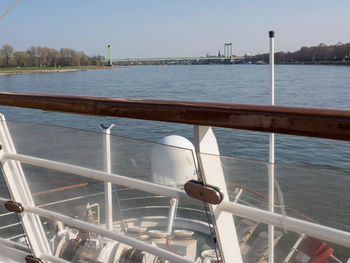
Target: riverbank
[
  {"x": 328, "y": 63},
  {"x": 33, "y": 70}
]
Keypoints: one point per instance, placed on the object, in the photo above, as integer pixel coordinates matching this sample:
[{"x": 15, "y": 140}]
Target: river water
[{"x": 296, "y": 85}]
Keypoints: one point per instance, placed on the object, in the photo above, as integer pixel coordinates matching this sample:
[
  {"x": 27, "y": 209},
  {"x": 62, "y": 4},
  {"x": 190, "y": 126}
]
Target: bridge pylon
[
  {"x": 109, "y": 55},
  {"x": 228, "y": 51}
]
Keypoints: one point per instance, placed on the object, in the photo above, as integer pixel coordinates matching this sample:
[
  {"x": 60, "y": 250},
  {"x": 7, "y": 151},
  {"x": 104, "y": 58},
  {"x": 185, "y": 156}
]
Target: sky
[{"x": 173, "y": 28}]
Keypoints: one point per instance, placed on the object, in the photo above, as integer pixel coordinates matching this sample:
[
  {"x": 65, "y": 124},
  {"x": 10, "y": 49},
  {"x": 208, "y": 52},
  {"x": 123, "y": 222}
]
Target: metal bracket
[
  {"x": 13, "y": 207},
  {"x": 31, "y": 259},
  {"x": 206, "y": 193}
]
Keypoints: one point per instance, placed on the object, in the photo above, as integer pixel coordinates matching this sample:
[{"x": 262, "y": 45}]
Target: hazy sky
[{"x": 158, "y": 28}]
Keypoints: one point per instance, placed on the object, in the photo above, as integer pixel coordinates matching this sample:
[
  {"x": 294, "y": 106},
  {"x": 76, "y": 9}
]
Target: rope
[{"x": 170, "y": 249}]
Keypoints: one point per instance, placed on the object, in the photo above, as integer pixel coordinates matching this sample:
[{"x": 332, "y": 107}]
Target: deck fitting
[
  {"x": 205, "y": 193},
  {"x": 32, "y": 259},
  {"x": 13, "y": 207}
]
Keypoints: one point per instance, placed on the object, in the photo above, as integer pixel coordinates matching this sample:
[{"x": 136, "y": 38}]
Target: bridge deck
[{"x": 176, "y": 59}]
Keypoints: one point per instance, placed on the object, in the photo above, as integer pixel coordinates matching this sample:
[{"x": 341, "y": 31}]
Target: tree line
[
  {"x": 37, "y": 56},
  {"x": 315, "y": 54}
]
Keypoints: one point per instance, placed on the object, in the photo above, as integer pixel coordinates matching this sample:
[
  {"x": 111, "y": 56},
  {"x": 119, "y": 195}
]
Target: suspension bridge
[{"x": 227, "y": 58}]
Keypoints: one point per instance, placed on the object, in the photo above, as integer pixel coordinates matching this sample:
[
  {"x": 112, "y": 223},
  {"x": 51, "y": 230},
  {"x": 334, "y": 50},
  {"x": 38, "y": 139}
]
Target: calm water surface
[
  {"x": 296, "y": 85},
  {"x": 310, "y": 86}
]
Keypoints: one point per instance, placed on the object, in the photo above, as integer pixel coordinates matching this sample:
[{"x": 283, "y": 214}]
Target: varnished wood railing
[{"x": 312, "y": 122}]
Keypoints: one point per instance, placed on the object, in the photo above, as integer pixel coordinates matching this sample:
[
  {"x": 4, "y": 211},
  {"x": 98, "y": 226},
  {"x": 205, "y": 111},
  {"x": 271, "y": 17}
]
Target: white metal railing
[
  {"x": 300, "y": 226},
  {"x": 271, "y": 168},
  {"x": 104, "y": 232},
  {"x": 289, "y": 223},
  {"x": 23, "y": 251},
  {"x": 102, "y": 176},
  {"x": 14, "y": 247},
  {"x": 19, "y": 191},
  {"x": 17, "y": 236},
  {"x": 108, "y": 186},
  {"x": 8, "y": 226},
  {"x": 6, "y": 214},
  {"x": 12, "y": 244},
  {"x": 3, "y": 200}
]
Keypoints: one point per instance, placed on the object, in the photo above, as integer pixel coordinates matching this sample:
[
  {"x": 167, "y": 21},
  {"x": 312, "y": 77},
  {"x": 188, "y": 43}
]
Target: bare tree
[
  {"x": 42, "y": 56},
  {"x": 53, "y": 57},
  {"x": 22, "y": 58},
  {"x": 7, "y": 53},
  {"x": 316, "y": 54},
  {"x": 97, "y": 60},
  {"x": 84, "y": 59},
  {"x": 45, "y": 56},
  {"x": 75, "y": 59},
  {"x": 65, "y": 57},
  {"x": 32, "y": 52},
  {"x": 69, "y": 57}
]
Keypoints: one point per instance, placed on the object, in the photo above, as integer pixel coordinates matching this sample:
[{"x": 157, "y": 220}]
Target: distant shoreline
[
  {"x": 327, "y": 63},
  {"x": 15, "y": 71}
]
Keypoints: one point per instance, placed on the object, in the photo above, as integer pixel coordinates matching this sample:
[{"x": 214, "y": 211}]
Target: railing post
[
  {"x": 271, "y": 167},
  {"x": 108, "y": 186},
  {"x": 172, "y": 212},
  {"x": 212, "y": 174}
]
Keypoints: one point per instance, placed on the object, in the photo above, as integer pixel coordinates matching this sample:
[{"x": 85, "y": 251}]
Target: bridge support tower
[
  {"x": 228, "y": 51},
  {"x": 109, "y": 55}
]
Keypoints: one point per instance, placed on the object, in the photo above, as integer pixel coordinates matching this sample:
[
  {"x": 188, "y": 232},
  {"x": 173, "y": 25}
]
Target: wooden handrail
[{"x": 312, "y": 122}]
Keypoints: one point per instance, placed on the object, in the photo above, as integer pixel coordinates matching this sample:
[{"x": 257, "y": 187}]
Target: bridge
[{"x": 227, "y": 58}]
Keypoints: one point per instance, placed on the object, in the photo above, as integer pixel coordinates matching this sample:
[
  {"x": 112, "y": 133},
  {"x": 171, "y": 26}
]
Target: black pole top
[{"x": 271, "y": 34}]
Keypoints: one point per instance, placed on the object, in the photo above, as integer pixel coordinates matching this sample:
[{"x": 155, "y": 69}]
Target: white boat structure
[{"x": 70, "y": 195}]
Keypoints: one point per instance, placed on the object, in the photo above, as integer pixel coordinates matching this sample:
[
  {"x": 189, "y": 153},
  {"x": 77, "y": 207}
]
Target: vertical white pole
[
  {"x": 271, "y": 151},
  {"x": 172, "y": 213},
  {"x": 108, "y": 185}
]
